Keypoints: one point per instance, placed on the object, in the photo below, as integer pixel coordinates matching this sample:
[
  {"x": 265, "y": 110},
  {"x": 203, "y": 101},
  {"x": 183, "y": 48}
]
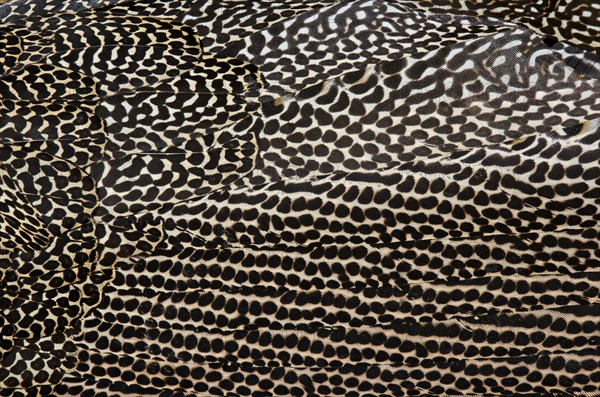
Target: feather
[{"x": 286, "y": 198}]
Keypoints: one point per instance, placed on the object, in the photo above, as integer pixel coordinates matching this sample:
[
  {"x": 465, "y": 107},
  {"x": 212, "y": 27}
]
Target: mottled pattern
[
  {"x": 575, "y": 21},
  {"x": 299, "y": 198},
  {"x": 480, "y": 92},
  {"x": 221, "y": 22},
  {"x": 330, "y": 41},
  {"x": 68, "y": 90},
  {"x": 41, "y": 37},
  {"x": 10, "y": 50},
  {"x": 15, "y": 10}
]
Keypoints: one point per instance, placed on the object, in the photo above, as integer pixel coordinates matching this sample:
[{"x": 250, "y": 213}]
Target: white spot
[{"x": 499, "y": 60}]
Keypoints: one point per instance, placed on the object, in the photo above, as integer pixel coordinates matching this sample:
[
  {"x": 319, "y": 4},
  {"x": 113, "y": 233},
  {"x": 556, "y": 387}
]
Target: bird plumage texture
[{"x": 299, "y": 198}]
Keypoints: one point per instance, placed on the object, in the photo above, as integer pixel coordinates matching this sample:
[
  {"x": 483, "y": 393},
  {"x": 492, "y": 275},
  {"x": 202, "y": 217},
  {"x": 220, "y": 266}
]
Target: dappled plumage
[{"x": 282, "y": 198}]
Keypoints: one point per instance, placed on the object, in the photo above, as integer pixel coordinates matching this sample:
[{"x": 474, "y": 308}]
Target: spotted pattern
[
  {"x": 574, "y": 21},
  {"x": 405, "y": 280},
  {"x": 583, "y": 62},
  {"x": 197, "y": 103},
  {"x": 456, "y": 98},
  {"x": 515, "y": 187},
  {"x": 221, "y": 22},
  {"x": 361, "y": 266},
  {"x": 167, "y": 176},
  {"x": 159, "y": 8},
  {"x": 65, "y": 139},
  {"x": 10, "y": 52},
  {"x": 65, "y": 126},
  {"x": 216, "y": 75},
  {"x": 333, "y": 40},
  {"x": 47, "y": 292},
  {"x": 37, "y": 82},
  {"x": 68, "y": 31},
  {"x": 17, "y": 10},
  {"x": 12, "y": 235},
  {"x": 313, "y": 198}
]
